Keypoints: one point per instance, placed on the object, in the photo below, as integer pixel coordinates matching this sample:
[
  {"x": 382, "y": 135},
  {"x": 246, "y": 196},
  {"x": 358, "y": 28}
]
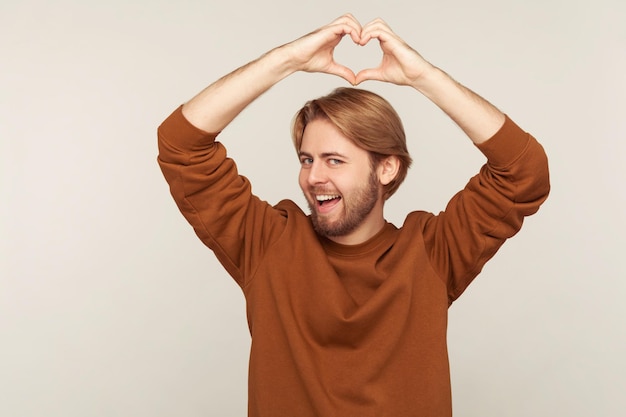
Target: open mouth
[{"x": 326, "y": 202}]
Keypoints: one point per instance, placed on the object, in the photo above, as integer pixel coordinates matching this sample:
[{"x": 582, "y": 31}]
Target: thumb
[
  {"x": 343, "y": 72},
  {"x": 368, "y": 74}
]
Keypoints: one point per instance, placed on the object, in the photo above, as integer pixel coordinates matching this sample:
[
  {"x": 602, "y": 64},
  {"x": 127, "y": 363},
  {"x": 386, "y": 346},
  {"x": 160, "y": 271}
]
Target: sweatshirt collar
[{"x": 362, "y": 248}]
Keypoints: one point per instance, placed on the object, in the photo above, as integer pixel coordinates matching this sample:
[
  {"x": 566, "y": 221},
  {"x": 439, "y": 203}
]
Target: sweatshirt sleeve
[
  {"x": 213, "y": 197},
  {"x": 490, "y": 209}
]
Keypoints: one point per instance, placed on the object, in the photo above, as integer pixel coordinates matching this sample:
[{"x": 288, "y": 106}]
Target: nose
[{"x": 317, "y": 174}]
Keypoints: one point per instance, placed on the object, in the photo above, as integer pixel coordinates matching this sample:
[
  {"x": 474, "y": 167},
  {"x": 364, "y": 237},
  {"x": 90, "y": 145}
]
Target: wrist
[
  {"x": 282, "y": 60},
  {"x": 430, "y": 79}
]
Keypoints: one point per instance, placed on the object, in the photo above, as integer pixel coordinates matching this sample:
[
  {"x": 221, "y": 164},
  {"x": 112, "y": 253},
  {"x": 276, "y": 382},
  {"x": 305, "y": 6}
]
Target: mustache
[{"x": 322, "y": 190}]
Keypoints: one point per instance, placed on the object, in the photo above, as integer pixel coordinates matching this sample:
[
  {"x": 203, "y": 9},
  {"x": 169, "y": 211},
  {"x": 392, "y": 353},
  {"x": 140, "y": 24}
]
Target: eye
[
  {"x": 306, "y": 161},
  {"x": 334, "y": 161}
]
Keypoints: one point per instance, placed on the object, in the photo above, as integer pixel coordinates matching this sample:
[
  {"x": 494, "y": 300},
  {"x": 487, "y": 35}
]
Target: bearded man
[{"x": 347, "y": 312}]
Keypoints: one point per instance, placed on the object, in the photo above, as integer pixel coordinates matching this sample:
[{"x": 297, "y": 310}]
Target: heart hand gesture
[
  {"x": 218, "y": 104},
  {"x": 400, "y": 64},
  {"x": 315, "y": 52}
]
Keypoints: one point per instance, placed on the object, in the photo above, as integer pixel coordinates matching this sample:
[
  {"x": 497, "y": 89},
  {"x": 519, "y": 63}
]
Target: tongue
[
  {"x": 327, "y": 205},
  {"x": 325, "y": 202}
]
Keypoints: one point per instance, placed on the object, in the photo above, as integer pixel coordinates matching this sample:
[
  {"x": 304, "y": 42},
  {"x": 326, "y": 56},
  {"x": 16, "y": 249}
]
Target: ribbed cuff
[
  {"x": 178, "y": 131},
  {"x": 506, "y": 145}
]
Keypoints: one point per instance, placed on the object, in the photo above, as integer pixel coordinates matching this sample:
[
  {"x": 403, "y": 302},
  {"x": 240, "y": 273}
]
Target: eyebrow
[{"x": 323, "y": 155}]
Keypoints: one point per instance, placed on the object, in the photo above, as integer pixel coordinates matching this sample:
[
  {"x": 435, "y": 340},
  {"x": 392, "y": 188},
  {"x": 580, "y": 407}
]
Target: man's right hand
[
  {"x": 218, "y": 104},
  {"x": 315, "y": 52}
]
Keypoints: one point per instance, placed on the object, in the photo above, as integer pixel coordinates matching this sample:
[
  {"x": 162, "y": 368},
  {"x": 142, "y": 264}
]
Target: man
[{"x": 348, "y": 313}]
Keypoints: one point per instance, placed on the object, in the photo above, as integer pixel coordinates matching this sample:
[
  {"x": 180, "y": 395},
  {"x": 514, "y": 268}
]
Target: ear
[{"x": 388, "y": 169}]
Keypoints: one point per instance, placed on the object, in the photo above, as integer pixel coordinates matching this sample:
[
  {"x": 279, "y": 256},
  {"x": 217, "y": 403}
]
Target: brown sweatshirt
[{"x": 350, "y": 331}]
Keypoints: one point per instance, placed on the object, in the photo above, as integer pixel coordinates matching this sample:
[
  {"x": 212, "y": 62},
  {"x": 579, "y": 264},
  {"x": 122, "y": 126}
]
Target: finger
[
  {"x": 343, "y": 72},
  {"x": 374, "y": 74},
  {"x": 325, "y": 37},
  {"x": 349, "y": 20},
  {"x": 347, "y": 17},
  {"x": 377, "y": 28},
  {"x": 347, "y": 25},
  {"x": 377, "y": 23}
]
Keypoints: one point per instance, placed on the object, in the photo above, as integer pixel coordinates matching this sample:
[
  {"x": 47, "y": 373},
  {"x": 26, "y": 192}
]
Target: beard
[{"x": 357, "y": 206}]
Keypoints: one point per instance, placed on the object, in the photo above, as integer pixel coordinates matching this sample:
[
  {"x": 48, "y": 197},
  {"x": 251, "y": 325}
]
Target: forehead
[{"x": 321, "y": 136}]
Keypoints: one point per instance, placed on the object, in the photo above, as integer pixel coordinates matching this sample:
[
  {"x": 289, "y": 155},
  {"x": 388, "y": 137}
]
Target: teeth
[{"x": 326, "y": 197}]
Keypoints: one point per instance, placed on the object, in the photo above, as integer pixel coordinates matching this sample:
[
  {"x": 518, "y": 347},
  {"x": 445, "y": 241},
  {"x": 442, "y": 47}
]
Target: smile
[
  {"x": 326, "y": 198},
  {"x": 326, "y": 202}
]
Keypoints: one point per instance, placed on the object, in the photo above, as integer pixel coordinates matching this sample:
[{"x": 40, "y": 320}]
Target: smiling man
[
  {"x": 347, "y": 312},
  {"x": 343, "y": 179}
]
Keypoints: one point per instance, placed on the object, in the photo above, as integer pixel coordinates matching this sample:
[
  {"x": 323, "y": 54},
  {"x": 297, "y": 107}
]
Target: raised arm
[
  {"x": 217, "y": 105},
  {"x": 402, "y": 65}
]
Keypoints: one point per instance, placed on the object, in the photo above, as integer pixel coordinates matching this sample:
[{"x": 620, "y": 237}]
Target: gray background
[{"x": 110, "y": 306}]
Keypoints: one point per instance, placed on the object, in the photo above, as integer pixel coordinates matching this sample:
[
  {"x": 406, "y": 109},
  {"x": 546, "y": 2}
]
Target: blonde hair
[{"x": 366, "y": 119}]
